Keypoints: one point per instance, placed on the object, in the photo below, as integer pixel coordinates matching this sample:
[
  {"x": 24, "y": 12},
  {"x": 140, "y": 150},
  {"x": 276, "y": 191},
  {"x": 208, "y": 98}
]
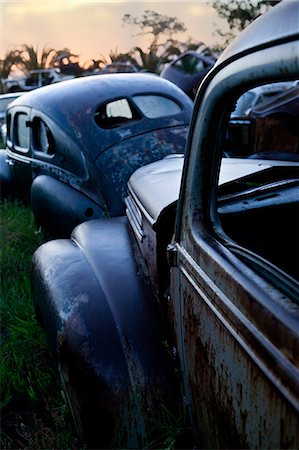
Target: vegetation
[
  {"x": 239, "y": 13},
  {"x": 34, "y": 413},
  {"x": 160, "y": 31}
]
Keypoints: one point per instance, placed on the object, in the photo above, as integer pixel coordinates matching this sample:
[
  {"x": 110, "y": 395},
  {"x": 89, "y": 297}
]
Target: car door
[{"x": 234, "y": 290}]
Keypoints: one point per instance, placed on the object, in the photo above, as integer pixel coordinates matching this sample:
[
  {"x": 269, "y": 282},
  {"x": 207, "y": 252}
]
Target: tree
[
  {"x": 11, "y": 59},
  {"x": 239, "y": 13},
  {"x": 32, "y": 59},
  {"x": 160, "y": 29}
]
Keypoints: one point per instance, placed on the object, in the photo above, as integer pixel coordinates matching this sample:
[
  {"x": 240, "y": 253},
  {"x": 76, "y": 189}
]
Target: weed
[{"x": 33, "y": 412}]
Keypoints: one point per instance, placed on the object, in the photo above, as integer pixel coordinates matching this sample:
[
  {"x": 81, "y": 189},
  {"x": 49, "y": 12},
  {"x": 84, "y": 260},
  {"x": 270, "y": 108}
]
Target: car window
[
  {"x": 258, "y": 196},
  {"x": 116, "y": 113},
  {"x": 21, "y": 131},
  {"x": 43, "y": 140},
  {"x": 154, "y": 106},
  {"x": 190, "y": 64}
]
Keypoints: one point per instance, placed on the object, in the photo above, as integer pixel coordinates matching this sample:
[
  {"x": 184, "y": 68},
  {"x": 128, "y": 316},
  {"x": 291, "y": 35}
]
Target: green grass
[{"x": 33, "y": 411}]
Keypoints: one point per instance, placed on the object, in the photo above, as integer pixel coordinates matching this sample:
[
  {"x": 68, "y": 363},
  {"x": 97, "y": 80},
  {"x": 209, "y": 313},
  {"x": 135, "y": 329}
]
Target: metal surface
[
  {"x": 236, "y": 313},
  {"x": 106, "y": 331}
]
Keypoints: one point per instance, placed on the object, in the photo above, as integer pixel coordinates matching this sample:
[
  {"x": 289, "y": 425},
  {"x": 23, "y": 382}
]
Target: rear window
[
  {"x": 123, "y": 111},
  {"x": 154, "y": 106},
  {"x": 116, "y": 113}
]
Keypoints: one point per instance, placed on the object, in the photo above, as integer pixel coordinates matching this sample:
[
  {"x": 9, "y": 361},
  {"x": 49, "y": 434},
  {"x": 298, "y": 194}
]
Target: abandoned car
[
  {"x": 72, "y": 146},
  {"x": 202, "y": 273}
]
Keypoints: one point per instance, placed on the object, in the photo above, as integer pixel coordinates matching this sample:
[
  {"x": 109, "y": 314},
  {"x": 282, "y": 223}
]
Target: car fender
[
  {"x": 92, "y": 295},
  {"x": 59, "y": 207}
]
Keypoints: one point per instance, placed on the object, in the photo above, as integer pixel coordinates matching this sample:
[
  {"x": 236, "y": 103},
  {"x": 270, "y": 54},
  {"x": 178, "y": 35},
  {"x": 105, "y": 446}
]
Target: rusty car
[
  {"x": 183, "y": 315},
  {"x": 72, "y": 146}
]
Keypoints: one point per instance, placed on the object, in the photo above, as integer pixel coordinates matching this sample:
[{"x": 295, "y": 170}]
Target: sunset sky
[{"x": 91, "y": 28}]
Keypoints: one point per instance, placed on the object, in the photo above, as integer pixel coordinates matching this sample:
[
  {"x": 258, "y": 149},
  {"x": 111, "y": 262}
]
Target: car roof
[
  {"x": 281, "y": 22},
  {"x": 72, "y": 106},
  {"x": 98, "y": 89}
]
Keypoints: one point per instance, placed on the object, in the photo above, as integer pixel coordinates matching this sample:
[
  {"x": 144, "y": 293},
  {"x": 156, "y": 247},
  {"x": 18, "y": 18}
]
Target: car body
[
  {"x": 188, "y": 69},
  {"x": 72, "y": 146},
  {"x": 119, "y": 67},
  {"x": 212, "y": 242}
]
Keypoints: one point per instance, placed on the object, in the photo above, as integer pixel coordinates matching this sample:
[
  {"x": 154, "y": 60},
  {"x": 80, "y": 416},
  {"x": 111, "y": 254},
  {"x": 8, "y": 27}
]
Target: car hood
[{"x": 157, "y": 185}]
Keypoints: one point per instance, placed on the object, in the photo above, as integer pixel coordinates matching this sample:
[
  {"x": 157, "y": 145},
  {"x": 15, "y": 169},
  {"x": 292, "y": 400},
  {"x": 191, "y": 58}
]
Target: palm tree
[
  {"x": 32, "y": 59},
  {"x": 11, "y": 59}
]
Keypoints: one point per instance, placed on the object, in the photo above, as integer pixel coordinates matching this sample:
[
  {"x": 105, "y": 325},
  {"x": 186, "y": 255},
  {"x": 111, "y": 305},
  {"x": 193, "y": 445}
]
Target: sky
[{"x": 91, "y": 28}]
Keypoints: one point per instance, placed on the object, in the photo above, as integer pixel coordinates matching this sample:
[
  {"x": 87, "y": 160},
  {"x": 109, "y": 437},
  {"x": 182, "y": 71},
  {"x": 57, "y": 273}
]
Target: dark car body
[
  {"x": 72, "y": 146},
  {"x": 212, "y": 243},
  {"x": 187, "y": 70}
]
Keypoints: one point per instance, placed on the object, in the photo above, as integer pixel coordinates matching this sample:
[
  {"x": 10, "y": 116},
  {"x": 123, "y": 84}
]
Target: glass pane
[
  {"x": 43, "y": 139},
  {"x": 119, "y": 108},
  {"x": 115, "y": 114},
  {"x": 153, "y": 106},
  {"x": 22, "y": 131}
]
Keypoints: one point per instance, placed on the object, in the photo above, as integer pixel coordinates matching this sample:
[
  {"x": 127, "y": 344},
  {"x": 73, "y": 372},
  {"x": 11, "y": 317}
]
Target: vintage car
[
  {"x": 188, "y": 305},
  {"x": 72, "y": 146}
]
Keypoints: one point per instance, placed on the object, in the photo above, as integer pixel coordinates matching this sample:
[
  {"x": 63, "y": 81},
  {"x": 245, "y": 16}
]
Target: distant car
[
  {"x": 72, "y": 146},
  {"x": 251, "y": 129},
  {"x": 282, "y": 113},
  {"x": 35, "y": 79},
  {"x": 188, "y": 70},
  {"x": 119, "y": 67},
  {"x": 259, "y": 95}
]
